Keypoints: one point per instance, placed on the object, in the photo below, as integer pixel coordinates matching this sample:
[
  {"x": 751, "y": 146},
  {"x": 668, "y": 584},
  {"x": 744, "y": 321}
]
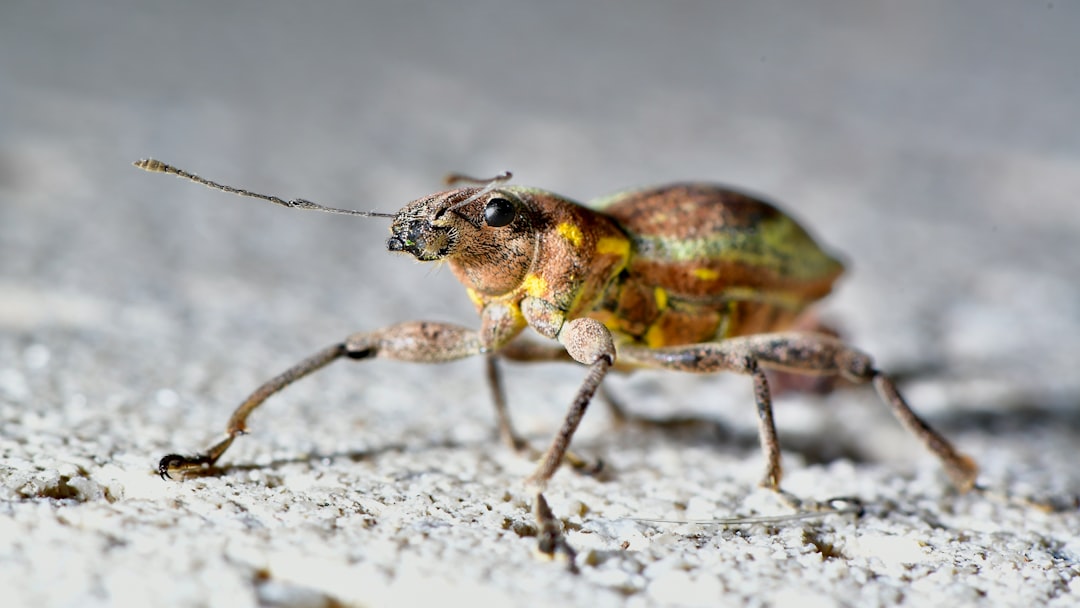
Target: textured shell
[{"x": 709, "y": 262}]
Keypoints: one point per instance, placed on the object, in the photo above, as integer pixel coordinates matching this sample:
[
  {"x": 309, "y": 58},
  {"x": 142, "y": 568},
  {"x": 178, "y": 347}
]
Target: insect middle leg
[
  {"x": 418, "y": 341},
  {"x": 522, "y": 351},
  {"x": 803, "y": 353},
  {"x": 527, "y": 351}
]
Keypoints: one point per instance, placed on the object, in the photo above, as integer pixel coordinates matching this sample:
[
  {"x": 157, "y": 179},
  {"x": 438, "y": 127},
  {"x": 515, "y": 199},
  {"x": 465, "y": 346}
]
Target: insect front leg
[
  {"x": 587, "y": 341},
  {"x": 803, "y": 353},
  {"x": 418, "y": 341},
  {"x": 594, "y": 348}
]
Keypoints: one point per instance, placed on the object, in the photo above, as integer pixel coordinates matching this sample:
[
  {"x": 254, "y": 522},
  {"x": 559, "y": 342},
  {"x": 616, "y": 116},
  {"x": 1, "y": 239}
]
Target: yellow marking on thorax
[
  {"x": 706, "y": 274},
  {"x": 475, "y": 296},
  {"x": 614, "y": 245},
  {"x": 571, "y": 233},
  {"x": 518, "y": 316},
  {"x": 534, "y": 285}
]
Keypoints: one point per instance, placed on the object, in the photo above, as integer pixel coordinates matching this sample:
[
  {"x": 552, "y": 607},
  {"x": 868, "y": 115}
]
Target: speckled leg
[
  {"x": 589, "y": 343},
  {"x": 417, "y": 341},
  {"x": 525, "y": 351},
  {"x": 804, "y": 353},
  {"x": 507, "y": 433}
]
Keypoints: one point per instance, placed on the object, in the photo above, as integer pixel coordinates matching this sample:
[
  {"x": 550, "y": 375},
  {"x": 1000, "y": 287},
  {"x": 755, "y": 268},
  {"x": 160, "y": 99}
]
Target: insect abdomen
[{"x": 710, "y": 262}]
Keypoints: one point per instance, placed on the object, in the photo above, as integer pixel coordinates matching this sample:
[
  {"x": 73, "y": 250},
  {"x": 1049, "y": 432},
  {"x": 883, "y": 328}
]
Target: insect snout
[{"x": 421, "y": 239}]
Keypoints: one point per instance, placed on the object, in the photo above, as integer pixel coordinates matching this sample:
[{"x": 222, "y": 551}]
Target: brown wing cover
[{"x": 708, "y": 262}]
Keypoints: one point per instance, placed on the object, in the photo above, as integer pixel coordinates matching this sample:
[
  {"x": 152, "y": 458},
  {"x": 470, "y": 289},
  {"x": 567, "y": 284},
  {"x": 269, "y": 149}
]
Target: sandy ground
[{"x": 936, "y": 146}]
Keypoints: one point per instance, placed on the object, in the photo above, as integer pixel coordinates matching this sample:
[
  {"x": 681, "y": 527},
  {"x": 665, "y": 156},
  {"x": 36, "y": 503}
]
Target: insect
[{"x": 685, "y": 277}]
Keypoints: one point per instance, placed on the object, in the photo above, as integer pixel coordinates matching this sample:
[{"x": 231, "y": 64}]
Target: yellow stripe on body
[
  {"x": 706, "y": 274},
  {"x": 613, "y": 245},
  {"x": 655, "y": 338},
  {"x": 660, "y": 297}
]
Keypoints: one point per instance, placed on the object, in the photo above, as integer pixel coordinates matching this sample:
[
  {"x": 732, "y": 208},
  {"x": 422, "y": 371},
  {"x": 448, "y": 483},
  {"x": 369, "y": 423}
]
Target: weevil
[{"x": 689, "y": 277}]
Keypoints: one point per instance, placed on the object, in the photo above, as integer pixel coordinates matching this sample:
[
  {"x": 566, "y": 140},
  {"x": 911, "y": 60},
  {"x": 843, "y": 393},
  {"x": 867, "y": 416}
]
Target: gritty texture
[{"x": 935, "y": 145}]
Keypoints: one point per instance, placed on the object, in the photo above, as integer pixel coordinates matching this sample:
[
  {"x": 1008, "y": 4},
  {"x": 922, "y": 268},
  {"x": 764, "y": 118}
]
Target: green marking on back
[{"x": 778, "y": 244}]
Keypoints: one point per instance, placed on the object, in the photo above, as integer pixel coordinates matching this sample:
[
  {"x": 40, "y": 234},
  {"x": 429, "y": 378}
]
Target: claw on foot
[
  {"x": 593, "y": 468},
  {"x": 176, "y": 462},
  {"x": 551, "y": 539},
  {"x": 578, "y": 464}
]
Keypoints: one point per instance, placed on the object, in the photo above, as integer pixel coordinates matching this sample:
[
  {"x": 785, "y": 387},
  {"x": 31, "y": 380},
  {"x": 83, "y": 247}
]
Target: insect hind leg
[{"x": 801, "y": 353}]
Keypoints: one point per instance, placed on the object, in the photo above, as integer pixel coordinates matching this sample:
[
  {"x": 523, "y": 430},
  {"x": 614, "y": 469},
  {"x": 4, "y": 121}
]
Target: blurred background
[{"x": 936, "y": 145}]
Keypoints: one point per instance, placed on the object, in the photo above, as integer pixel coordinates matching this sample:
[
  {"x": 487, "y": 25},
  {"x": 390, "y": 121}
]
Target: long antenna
[{"x": 156, "y": 166}]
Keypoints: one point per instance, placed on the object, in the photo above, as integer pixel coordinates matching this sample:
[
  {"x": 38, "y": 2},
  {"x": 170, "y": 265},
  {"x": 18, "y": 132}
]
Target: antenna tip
[{"x": 151, "y": 164}]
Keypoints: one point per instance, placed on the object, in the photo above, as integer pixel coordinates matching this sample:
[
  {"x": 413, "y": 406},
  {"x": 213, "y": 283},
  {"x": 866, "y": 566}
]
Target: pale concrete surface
[{"x": 936, "y": 145}]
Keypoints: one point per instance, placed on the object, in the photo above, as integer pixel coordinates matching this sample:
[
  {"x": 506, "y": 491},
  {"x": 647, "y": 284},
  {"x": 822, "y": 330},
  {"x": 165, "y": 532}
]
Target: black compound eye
[{"x": 499, "y": 212}]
